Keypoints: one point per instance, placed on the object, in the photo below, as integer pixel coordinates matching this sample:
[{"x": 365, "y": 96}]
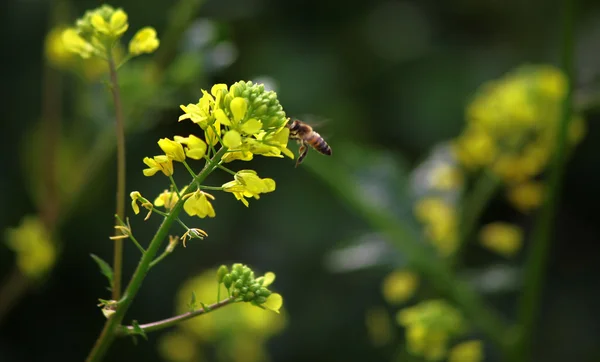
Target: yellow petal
[
  {"x": 269, "y": 278},
  {"x": 222, "y": 117},
  {"x": 238, "y": 107},
  {"x": 274, "y": 302},
  {"x": 252, "y": 126},
  {"x": 232, "y": 139}
]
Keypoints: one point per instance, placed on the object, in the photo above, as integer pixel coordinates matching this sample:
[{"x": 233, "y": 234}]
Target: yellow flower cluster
[
  {"x": 511, "y": 129},
  {"x": 503, "y": 238},
  {"x": 36, "y": 253},
  {"x": 440, "y": 220},
  {"x": 429, "y": 327},
  {"x": 244, "y": 118},
  {"x": 238, "y": 332},
  {"x": 96, "y": 33}
]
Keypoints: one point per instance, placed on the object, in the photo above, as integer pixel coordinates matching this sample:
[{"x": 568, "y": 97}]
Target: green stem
[
  {"x": 182, "y": 224},
  {"x": 175, "y": 186},
  {"x": 474, "y": 205},
  {"x": 212, "y": 188},
  {"x": 137, "y": 244},
  {"x": 120, "y": 132},
  {"x": 543, "y": 229},
  {"x": 190, "y": 169},
  {"x": 112, "y": 325},
  {"x": 169, "y": 322}
]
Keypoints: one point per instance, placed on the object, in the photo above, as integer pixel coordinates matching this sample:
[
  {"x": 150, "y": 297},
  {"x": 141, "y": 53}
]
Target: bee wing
[{"x": 313, "y": 120}]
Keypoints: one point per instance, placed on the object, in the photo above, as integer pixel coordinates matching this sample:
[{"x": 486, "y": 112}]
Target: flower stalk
[
  {"x": 543, "y": 229},
  {"x": 169, "y": 322},
  {"x": 113, "y": 324},
  {"x": 120, "y": 195}
]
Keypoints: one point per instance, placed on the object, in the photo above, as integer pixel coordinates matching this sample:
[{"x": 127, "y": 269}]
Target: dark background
[{"x": 389, "y": 74}]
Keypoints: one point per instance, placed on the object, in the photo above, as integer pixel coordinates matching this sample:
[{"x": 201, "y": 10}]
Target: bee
[{"x": 306, "y": 136}]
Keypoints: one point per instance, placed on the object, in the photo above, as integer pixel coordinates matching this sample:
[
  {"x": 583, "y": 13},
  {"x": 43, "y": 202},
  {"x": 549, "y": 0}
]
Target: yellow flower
[
  {"x": 193, "y": 233},
  {"x": 440, "y": 220},
  {"x": 36, "y": 253},
  {"x": 446, "y": 177},
  {"x": 470, "y": 351},
  {"x": 144, "y": 41},
  {"x": 137, "y": 197},
  {"x": 173, "y": 150},
  {"x": 246, "y": 183},
  {"x": 379, "y": 326},
  {"x": 274, "y": 302},
  {"x": 501, "y": 237},
  {"x": 167, "y": 199},
  {"x": 196, "y": 147},
  {"x": 197, "y": 204},
  {"x": 76, "y": 44},
  {"x": 429, "y": 326},
  {"x": 114, "y": 27},
  {"x": 526, "y": 196},
  {"x": 475, "y": 148},
  {"x": 158, "y": 163},
  {"x": 232, "y": 139},
  {"x": 399, "y": 286},
  {"x": 56, "y": 52}
]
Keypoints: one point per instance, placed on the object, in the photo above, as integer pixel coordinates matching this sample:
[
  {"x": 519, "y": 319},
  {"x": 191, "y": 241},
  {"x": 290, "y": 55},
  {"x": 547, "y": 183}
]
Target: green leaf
[
  {"x": 138, "y": 330},
  {"x": 104, "y": 268},
  {"x": 205, "y": 307},
  {"x": 192, "y": 304}
]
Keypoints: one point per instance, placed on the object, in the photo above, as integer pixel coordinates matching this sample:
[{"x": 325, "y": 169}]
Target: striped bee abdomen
[{"x": 318, "y": 143}]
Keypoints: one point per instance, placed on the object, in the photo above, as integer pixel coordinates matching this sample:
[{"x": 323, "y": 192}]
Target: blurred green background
[{"x": 391, "y": 75}]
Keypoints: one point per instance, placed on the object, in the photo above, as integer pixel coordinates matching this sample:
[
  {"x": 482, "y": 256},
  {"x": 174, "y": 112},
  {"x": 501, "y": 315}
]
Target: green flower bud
[
  {"x": 254, "y": 287},
  {"x": 260, "y": 299},
  {"x": 227, "y": 281},
  {"x": 260, "y": 280},
  {"x": 235, "y": 275},
  {"x": 239, "y": 284},
  {"x": 244, "y": 290},
  {"x": 235, "y": 293},
  {"x": 221, "y": 273},
  {"x": 263, "y": 292},
  {"x": 249, "y": 296}
]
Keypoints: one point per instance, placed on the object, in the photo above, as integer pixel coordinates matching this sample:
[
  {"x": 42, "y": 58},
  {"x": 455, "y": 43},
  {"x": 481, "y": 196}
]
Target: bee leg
[{"x": 302, "y": 153}]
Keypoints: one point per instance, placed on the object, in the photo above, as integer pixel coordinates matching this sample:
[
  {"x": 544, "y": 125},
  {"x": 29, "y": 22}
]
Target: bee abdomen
[{"x": 319, "y": 144}]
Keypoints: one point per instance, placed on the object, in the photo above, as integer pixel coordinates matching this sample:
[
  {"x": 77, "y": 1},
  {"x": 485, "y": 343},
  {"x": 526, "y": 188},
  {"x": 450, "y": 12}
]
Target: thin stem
[
  {"x": 111, "y": 327},
  {"x": 169, "y": 322},
  {"x": 137, "y": 244},
  {"x": 174, "y": 186},
  {"x": 182, "y": 224},
  {"x": 212, "y": 188},
  {"x": 161, "y": 256},
  {"x": 190, "y": 169},
  {"x": 474, "y": 203},
  {"x": 543, "y": 229},
  {"x": 120, "y": 131}
]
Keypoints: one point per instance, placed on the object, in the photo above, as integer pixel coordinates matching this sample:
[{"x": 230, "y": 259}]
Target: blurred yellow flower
[
  {"x": 526, "y": 196},
  {"x": 144, "y": 41},
  {"x": 379, "y": 326},
  {"x": 35, "y": 251},
  {"x": 167, "y": 199},
  {"x": 429, "y": 327},
  {"x": 446, "y": 177},
  {"x": 113, "y": 26},
  {"x": 469, "y": 351},
  {"x": 399, "y": 286},
  {"x": 56, "y": 52},
  {"x": 503, "y": 238},
  {"x": 76, "y": 44},
  {"x": 440, "y": 220}
]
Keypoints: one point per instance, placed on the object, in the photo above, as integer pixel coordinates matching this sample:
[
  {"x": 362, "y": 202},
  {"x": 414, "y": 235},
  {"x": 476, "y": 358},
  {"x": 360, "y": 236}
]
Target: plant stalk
[
  {"x": 112, "y": 325},
  {"x": 543, "y": 229},
  {"x": 169, "y": 322},
  {"x": 120, "y": 132}
]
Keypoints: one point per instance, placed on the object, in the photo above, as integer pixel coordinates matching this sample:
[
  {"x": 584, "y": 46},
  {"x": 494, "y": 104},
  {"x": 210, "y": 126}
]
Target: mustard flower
[
  {"x": 158, "y": 163},
  {"x": 193, "y": 233},
  {"x": 173, "y": 149},
  {"x": 55, "y": 50},
  {"x": 144, "y": 41},
  {"x": 244, "y": 117},
  {"x": 197, "y": 204},
  {"x": 196, "y": 147},
  {"x": 440, "y": 219},
  {"x": 429, "y": 327},
  {"x": 469, "y": 351},
  {"x": 399, "y": 286},
  {"x": 167, "y": 199},
  {"x": 35, "y": 251},
  {"x": 526, "y": 196},
  {"x": 137, "y": 197},
  {"x": 74, "y": 43},
  {"x": 503, "y": 238},
  {"x": 246, "y": 183},
  {"x": 112, "y": 24}
]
